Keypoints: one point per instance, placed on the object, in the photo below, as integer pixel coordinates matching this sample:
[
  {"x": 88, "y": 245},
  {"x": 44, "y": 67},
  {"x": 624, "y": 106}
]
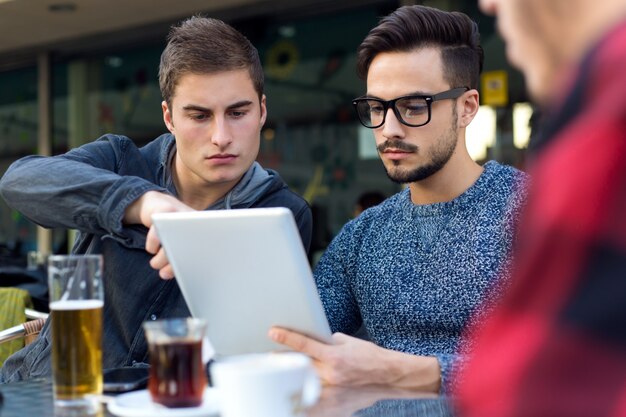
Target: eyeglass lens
[{"x": 412, "y": 110}]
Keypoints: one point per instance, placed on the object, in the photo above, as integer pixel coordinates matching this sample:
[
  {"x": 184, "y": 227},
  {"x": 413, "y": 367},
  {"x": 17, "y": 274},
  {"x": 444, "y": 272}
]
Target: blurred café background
[{"x": 72, "y": 70}]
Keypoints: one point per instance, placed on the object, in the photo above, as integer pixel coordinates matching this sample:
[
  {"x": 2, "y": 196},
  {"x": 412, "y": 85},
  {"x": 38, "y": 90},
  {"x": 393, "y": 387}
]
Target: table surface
[{"x": 34, "y": 398}]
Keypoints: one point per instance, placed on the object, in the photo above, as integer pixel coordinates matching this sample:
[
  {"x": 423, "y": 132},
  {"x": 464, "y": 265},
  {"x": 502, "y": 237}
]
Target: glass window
[{"x": 18, "y": 136}]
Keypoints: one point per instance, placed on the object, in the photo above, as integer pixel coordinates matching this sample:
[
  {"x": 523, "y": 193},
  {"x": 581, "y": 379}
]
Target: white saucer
[{"x": 139, "y": 404}]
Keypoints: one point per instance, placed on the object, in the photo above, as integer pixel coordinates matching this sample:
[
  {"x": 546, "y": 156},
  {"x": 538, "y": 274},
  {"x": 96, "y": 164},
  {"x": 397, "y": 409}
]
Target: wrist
[
  {"x": 132, "y": 214},
  {"x": 414, "y": 372}
]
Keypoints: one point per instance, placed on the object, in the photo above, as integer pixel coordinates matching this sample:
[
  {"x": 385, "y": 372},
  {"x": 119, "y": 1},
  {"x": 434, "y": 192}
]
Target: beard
[{"x": 439, "y": 156}]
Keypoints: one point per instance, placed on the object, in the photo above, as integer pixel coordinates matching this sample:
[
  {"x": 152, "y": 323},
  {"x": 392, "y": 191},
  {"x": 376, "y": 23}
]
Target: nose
[
  {"x": 488, "y": 7},
  {"x": 392, "y": 127},
  {"x": 221, "y": 135}
]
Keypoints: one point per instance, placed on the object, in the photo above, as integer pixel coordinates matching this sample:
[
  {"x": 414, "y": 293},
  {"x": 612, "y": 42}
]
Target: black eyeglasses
[{"x": 411, "y": 110}]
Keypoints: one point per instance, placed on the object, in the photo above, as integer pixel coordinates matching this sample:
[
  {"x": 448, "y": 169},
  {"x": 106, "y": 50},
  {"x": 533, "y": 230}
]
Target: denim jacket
[{"x": 89, "y": 189}]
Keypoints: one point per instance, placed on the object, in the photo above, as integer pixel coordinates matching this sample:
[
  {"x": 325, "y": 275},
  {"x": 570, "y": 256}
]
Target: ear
[
  {"x": 167, "y": 116},
  {"x": 263, "y": 110},
  {"x": 468, "y": 105}
]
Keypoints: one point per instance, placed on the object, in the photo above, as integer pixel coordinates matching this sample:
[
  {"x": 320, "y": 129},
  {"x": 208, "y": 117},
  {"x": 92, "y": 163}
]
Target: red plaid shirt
[{"x": 556, "y": 345}]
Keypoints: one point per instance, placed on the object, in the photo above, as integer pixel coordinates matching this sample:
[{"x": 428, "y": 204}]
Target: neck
[
  {"x": 457, "y": 175},
  {"x": 196, "y": 192}
]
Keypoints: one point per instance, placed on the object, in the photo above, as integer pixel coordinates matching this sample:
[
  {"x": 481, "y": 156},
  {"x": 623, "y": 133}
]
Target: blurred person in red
[{"x": 556, "y": 344}]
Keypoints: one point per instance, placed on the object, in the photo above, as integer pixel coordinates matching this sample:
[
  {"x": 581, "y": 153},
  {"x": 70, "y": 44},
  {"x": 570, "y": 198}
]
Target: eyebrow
[
  {"x": 411, "y": 93},
  {"x": 195, "y": 107}
]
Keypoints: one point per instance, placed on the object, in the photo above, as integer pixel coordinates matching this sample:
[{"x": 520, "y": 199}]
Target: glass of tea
[{"x": 177, "y": 376}]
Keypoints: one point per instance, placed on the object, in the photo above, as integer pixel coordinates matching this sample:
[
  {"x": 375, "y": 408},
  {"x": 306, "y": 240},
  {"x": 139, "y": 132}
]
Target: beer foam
[{"x": 76, "y": 304}]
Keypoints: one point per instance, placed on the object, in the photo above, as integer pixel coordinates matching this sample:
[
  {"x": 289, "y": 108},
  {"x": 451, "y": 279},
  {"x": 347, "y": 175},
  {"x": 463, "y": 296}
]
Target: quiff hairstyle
[
  {"x": 413, "y": 27},
  {"x": 201, "y": 45}
]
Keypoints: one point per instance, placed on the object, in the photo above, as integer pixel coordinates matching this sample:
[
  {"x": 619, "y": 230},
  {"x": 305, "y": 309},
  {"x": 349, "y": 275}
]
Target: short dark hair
[
  {"x": 202, "y": 45},
  {"x": 414, "y": 27}
]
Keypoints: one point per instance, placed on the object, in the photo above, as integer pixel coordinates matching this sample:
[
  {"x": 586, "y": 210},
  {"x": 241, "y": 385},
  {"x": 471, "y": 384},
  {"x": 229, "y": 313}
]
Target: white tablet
[{"x": 243, "y": 271}]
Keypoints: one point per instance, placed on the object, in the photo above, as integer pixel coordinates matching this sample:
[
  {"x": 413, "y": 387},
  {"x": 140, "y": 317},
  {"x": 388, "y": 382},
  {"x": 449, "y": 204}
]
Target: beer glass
[
  {"x": 76, "y": 302},
  {"x": 177, "y": 375}
]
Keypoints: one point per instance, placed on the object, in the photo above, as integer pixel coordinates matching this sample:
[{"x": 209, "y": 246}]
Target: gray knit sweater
[{"x": 413, "y": 274}]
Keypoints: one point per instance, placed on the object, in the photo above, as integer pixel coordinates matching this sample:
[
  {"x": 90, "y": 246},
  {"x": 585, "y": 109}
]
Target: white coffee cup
[{"x": 265, "y": 384}]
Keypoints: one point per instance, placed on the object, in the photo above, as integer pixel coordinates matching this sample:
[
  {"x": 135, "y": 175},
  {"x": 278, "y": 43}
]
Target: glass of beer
[
  {"x": 76, "y": 302},
  {"x": 177, "y": 376}
]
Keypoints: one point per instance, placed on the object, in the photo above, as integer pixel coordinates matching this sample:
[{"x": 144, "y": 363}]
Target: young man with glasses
[{"x": 416, "y": 267}]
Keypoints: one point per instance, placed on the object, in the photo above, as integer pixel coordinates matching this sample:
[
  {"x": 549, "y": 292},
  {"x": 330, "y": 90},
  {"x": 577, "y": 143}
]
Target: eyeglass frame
[{"x": 387, "y": 104}]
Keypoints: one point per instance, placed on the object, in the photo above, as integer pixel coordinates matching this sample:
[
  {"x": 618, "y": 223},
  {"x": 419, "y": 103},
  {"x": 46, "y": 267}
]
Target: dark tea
[{"x": 177, "y": 377}]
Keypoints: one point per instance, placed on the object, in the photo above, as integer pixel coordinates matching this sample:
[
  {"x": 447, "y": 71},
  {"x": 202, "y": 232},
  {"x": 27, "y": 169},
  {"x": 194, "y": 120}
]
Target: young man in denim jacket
[{"x": 214, "y": 107}]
